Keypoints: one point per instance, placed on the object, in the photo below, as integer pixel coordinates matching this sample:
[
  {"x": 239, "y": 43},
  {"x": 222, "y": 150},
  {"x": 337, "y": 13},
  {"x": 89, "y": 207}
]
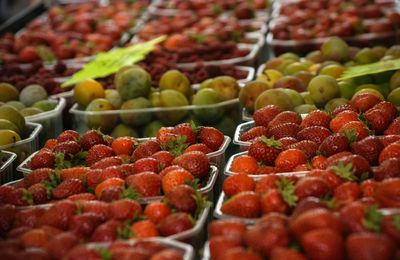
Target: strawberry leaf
[
  {"x": 130, "y": 193},
  {"x": 331, "y": 202},
  {"x": 193, "y": 183},
  {"x": 344, "y": 172},
  {"x": 125, "y": 231},
  {"x": 372, "y": 218},
  {"x": 270, "y": 142},
  {"x": 396, "y": 222},
  {"x": 176, "y": 145},
  {"x": 351, "y": 135},
  {"x": 27, "y": 196},
  {"x": 201, "y": 202},
  {"x": 104, "y": 253},
  {"x": 286, "y": 190}
]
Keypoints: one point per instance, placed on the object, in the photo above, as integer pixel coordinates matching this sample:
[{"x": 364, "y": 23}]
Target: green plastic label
[
  {"x": 373, "y": 68},
  {"x": 107, "y": 63}
]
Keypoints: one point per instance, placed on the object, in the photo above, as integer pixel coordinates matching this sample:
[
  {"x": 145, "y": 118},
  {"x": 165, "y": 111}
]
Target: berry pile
[{"x": 51, "y": 232}]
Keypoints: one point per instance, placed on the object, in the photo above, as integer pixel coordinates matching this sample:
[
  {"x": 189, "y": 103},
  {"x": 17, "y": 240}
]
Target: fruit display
[
  {"x": 134, "y": 106},
  {"x": 6, "y": 166},
  {"x": 301, "y": 27},
  {"x": 71, "y": 31},
  {"x": 304, "y": 84}
]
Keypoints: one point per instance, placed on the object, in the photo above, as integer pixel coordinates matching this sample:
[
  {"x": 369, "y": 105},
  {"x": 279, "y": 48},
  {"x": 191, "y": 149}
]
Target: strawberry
[
  {"x": 28, "y": 217},
  {"x": 240, "y": 253},
  {"x": 370, "y": 148},
  {"x": 107, "y": 162},
  {"x": 91, "y": 138},
  {"x": 316, "y": 118},
  {"x": 331, "y": 177},
  {"x": 390, "y": 151},
  {"x": 93, "y": 178},
  {"x": 175, "y": 177},
  {"x": 316, "y": 134},
  {"x": 164, "y": 134},
  {"x": 111, "y": 193},
  {"x": 144, "y": 229},
  {"x": 284, "y": 130},
  {"x": 183, "y": 198},
  {"x": 175, "y": 223},
  {"x": 333, "y": 144},
  {"x": 73, "y": 173},
  {"x": 308, "y": 147},
  {"x": 39, "y": 193},
  {"x": 389, "y": 168},
  {"x": 61, "y": 244},
  {"x": 393, "y": 128},
  {"x": 337, "y": 156},
  {"x": 43, "y": 159},
  {"x": 168, "y": 254},
  {"x": 198, "y": 147},
  {"x": 164, "y": 158},
  {"x": 389, "y": 139},
  {"x": 5, "y": 194},
  {"x": 265, "y": 150},
  {"x": 68, "y": 135},
  {"x": 50, "y": 144},
  {"x": 82, "y": 252},
  {"x": 368, "y": 245},
  {"x": 59, "y": 214},
  {"x": 98, "y": 208},
  {"x": 146, "y": 149},
  {"x": 195, "y": 162},
  {"x": 279, "y": 253},
  {"x": 67, "y": 148},
  {"x": 238, "y": 183},
  {"x": 285, "y": 117},
  {"x": 347, "y": 192},
  {"x": 146, "y": 184},
  {"x": 244, "y": 164},
  {"x": 341, "y": 119},
  {"x": 145, "y": 165},
  {"x": 287, "y": 160},
  {"x": 245, "y": 204},
  {"x": 272, "y": 201},
  {"x": 377, "y": 120},
  {"x": 311, "y": 187},
  {"x": 355, "y": 130},
  {"x": 108, "y": 183},
  {"x": 368, "y": 188},
  {"x": 263, "y": 116},
  {"x": 219, "y": 245},
  {"x": 342, "y": 108},
  {"x": 254, "y": 132},
  {"x": 34, "y": 238},
  {"x": 323, "y": 243},
  {"x": 364, "y": 101},
  {"x": 388, "y": 108},
  {"x": 211, "y": 137},
  {"x": 37, "y": 176},
  {"x": 21, "y": 197},
  {"x": 124, "y": 209},
  {"x": 286, "y": 141},
  {"x": 318, "y": 162},
  {"x": 7, "y": 215},
  {"x": 265, "y": 169},
  {"x": 111, "y": 172},
  {"x": 68, "y": 188},
  {"x": 82, "y": 196},
  {"x": 359, "y": 164},
  {"x": 185, "y": 129},
  {"x": 390, "y": 227},
  {"x": 156, "y": 211},
  {"x": 227, "y": 228},
  {"x": 98, "y": 152},
  {"x": 106, "y": 232}
]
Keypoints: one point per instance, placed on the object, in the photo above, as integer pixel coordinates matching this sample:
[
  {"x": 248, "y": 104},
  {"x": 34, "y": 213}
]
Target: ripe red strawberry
[
  {"x": 279, "y": 253},
  {"x": 84, "y": 224},
  {"x": 195, "y": 162},
  {"x": 263, "y": 116},
  {"x": 59, "y": 245},
  {"x": 389, "y": 168},
  {"x": 289, "y": 159},
  {"x": 164, "y": 134},
  {"x": 284, "y": 130},
  {"x": 5, "y": 194},
  {"x": 73, "y": 173},
  {"x": 245, "y": 204},
  {"x": 219, "y": 245},
  {"x": 342, "y": 108},
  {"x": 59, "y": 214},
  {"x": 93, "y": 177},
  {"x": 347, "y": 192},
  {"x": 265, "y": 150},
  {"x": 240, "y": 253},
  {"x": 370, "y": 148},
  {"x": 37, "y": 176},
  {"x": 377, "y": 120},
  {"x": 390, "y": 151},
  {"x": 323, "y": 243},
  {"x": 359, "y": 164},
  {"x": 34, "y": 238},
  {"x": 68, "y": 148},
  {"x": 285, "y": 117},
  {"x": 146, "y": 184},
  {"x": 28, "y": 217},
  {"x": 333, "y": 144},
  {"x": 183, "y": 198},
  {"x": 39, "y": 194},
  {"x": 389, "y": 139},
  {"x": 393, "y": 128},
  {"x": 175, "y": 223},
  {"x": 43, "y": 159},
  {"x": 265, "y": 169},
  {"x": 111, "y": 172},
  {"x": 68, "y": 188},
  {"x": 272, "y": 201},
  {"x": 316, "y": 118},
  {"x": 144, "y": 229},
  {"x": 368, "y": 245},
  {"x": 341, "y": 119},
  {"x": 107, "y": 162},
  {"x": 164, "y": 159},
  {"x": 91, "y": 138},
  {"x": 21, "y": 197},
  {"x": 237, "y": 183},
  {"x": 125, "y": 209},
  {"x": 7, "y": 215},
  {"x": 388, "y": 108},
  {"x": 311, "y": 187},
  {"x": 98, "y": 152},
  {"x": 227, "y": 228},
  {"x": 308, "y": 147},
  {"x": 99, "y": 208},
  {"x": 68, "y": 135},
  {"x": 316, "y": 134},
  {"x": 286, "y": 141},
  {"x": 107, "y": 232},
  {"x": 82, "y": 196},
  {"x": 363, "y": 102},
  {"x": 254, "y": 132},
  {"x": 168, "y": 254},
  {"x": 185, "y": 129},
  {"x": 50, "y": 144},
  {"x": 354, "y": 128},
  {"x": 318, "y": 162},
  {"x": 211, "y": 137},
  {"x": 156, "y": 211},
  {"x": 82, "y": 252},
  {"x": 146, "y": 149},
  {"x": 146, "y": 165},
  {"x": 198, "y": 147}
]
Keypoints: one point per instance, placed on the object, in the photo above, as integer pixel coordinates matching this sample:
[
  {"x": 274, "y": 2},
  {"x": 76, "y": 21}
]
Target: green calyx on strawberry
[
  {"x": 201, "y": 202},
  {"x": 176, "y": 145},
  {"x": 129, "y": 193},
  {"x": 45, "y": 54},
  {"x": 53, "y": 182},
  {"x": 346, "y": 172},
  {"x": 125, "y": 232},
  {"x": 270, "y": 142},
  {"x": 396, "y": 222},
  {"x": 286, "y": 190},
  {"x": 104, "y": 253},
  {"x": 351, "y": 135},
  {"x": 372, "y": 218},
  {"x": 331, "y": 202},
  {"x": 195, "y": 184},
  {"x": 78, "y": 159},
  {"x": 27, "y": 196}
]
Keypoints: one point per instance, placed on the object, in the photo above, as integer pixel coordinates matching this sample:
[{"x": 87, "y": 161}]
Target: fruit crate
[
  {"x": 26, "y": 146},
  {"x": 52, "y": 121},
  {"x": 226, "y": 116},
  {"x": 240, "y": 129},
  {"x": 187, "y": 250},
  {"x": 7, "y": 166}
]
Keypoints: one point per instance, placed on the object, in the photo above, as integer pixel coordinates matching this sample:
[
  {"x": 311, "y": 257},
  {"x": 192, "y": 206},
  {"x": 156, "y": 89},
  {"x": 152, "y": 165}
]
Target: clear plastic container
[
  {"x": 52, "y": 121},
  {"x": 27, "y": 146},
  {"x": 7, "y": 168},
  {"x": 240, "y": 129}
]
